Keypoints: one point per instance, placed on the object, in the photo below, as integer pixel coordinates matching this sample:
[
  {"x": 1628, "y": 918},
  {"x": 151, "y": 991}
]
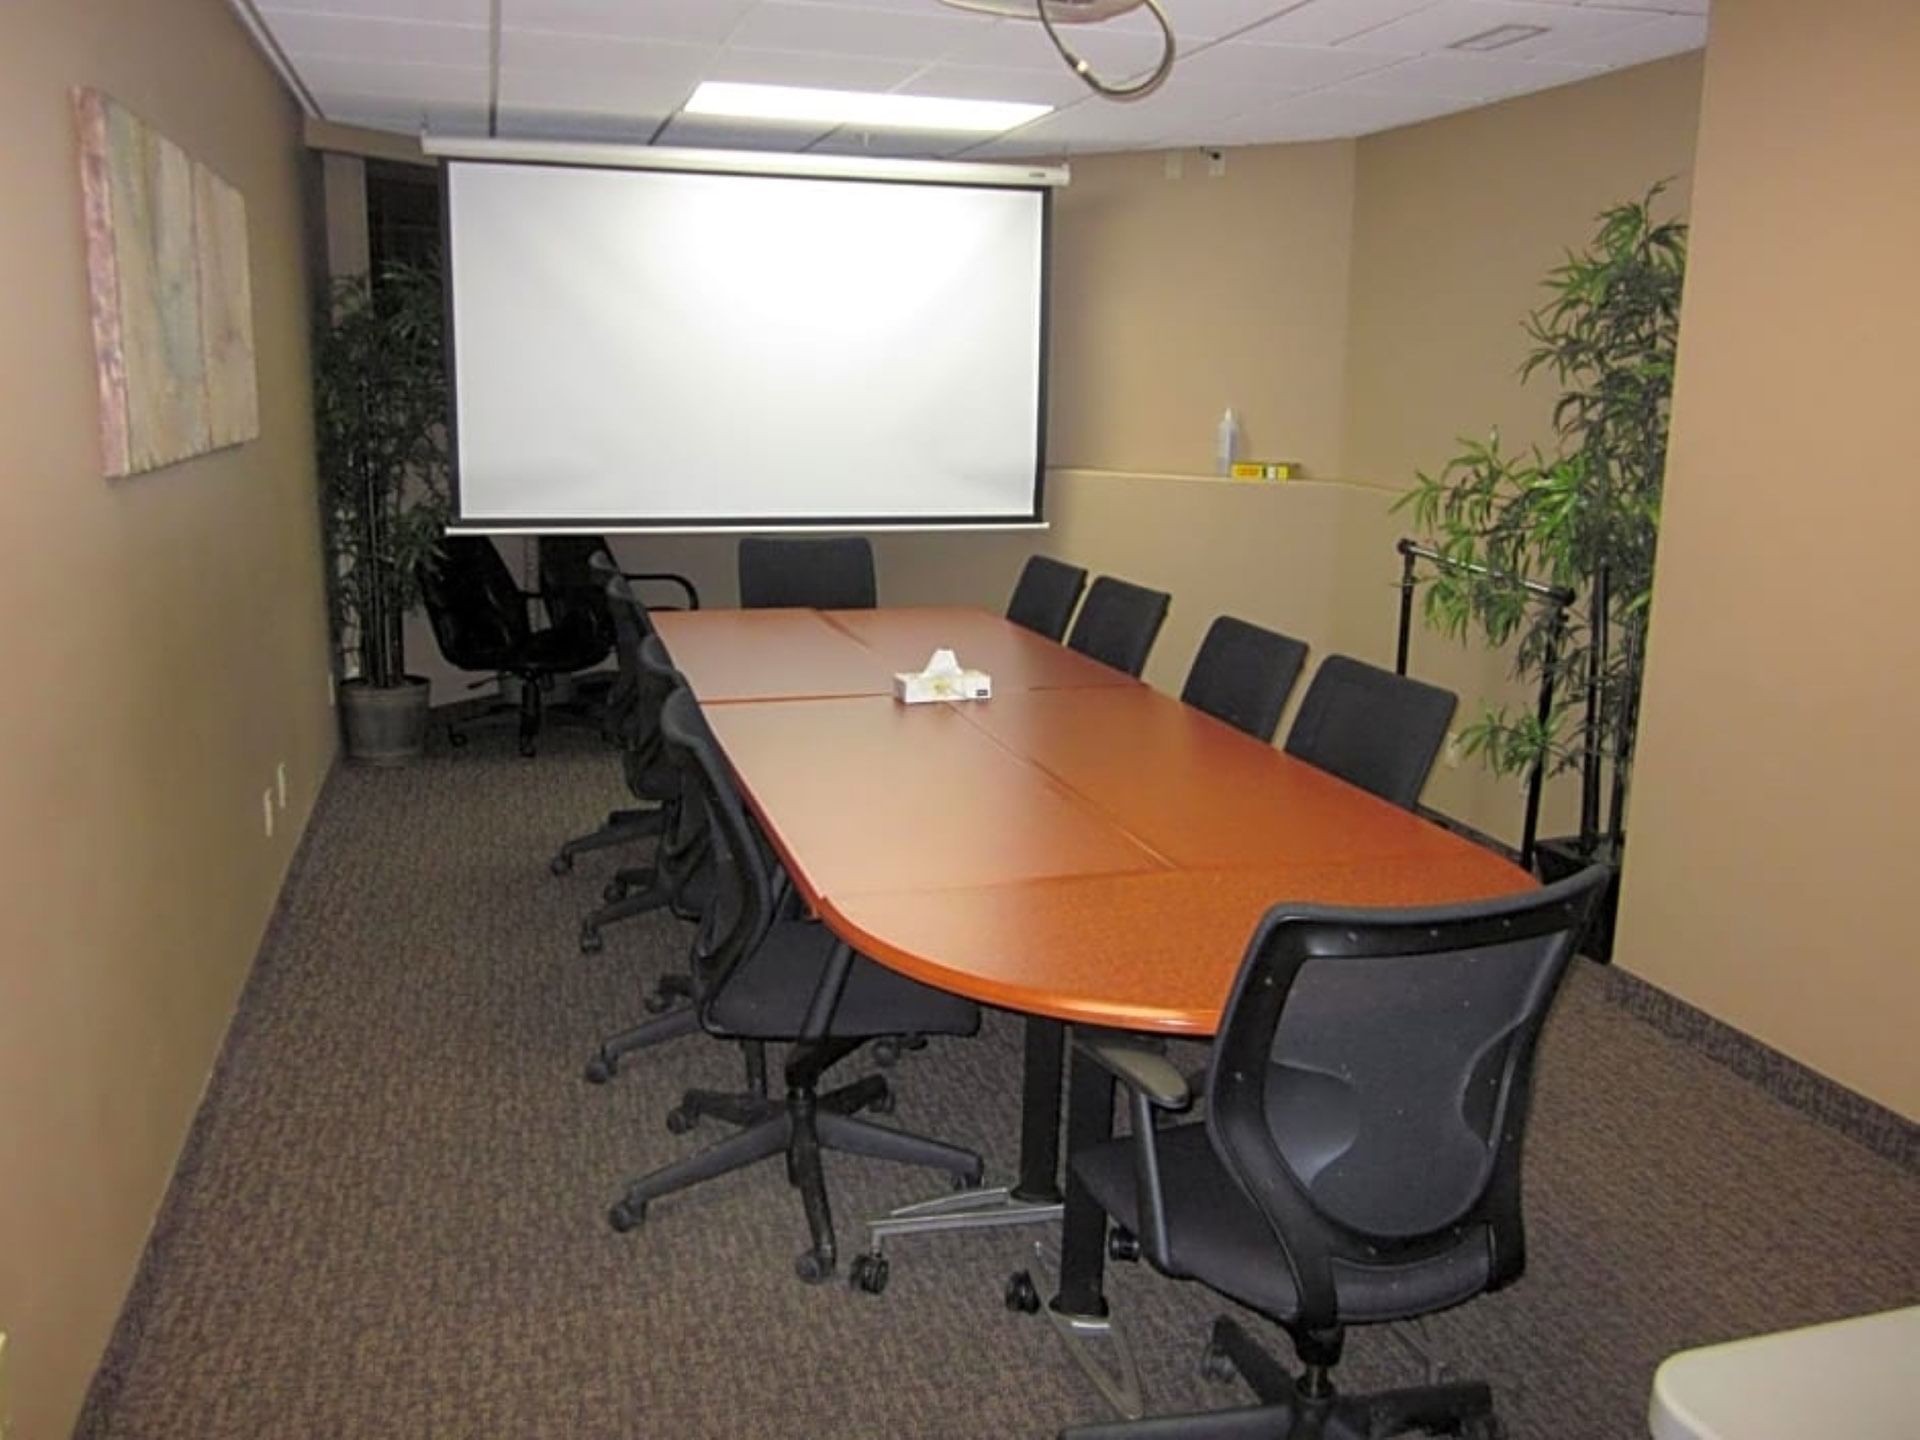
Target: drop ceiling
[{"x": 1249, "y": 71}]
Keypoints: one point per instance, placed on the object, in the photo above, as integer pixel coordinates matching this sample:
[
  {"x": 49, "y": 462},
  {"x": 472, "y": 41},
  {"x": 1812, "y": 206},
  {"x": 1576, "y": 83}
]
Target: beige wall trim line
[{"x": 1826, "y": 1101}]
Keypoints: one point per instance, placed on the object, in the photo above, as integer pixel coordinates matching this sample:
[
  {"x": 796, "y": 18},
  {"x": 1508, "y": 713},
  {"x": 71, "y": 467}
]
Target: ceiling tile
[
  {"x": 441, "y": 12},
  {"x": 1022, "y": 44},
  {"x": 412, "y": 42},
  {"x": 1204, "y": 19},
  {"x": 1054, "y": 87},
  {"x": 1286, "y": 68},
  {"x": 1475, "y": 77},
  {"x": 892, "y": 147},
  {"x": 1327, "y": 114},
  {"x": 1668, "y": 7},
  {"x": 1439, "y": 26},
  {"x": 1328, "y": 22},
  {"x": 1662, "y": 35},
  {"x": 827, "y": 72},
  {"x": 461, "y": 120},
  {"x": 387, "y": 80},
  {"x": 534, "y": 124},
  {"x": 692, "y": 21},
  {"x": 539, "y": 71},
  {"x": 927, "y": 33}
]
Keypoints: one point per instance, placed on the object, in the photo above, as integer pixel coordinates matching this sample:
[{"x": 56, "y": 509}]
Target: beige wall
[
  {"x": 1455, "y": 224},
  {"x": 1770, "y": 875},
  {"x": 1176, "y": 298},
  {"x": 164, "y": 649}
]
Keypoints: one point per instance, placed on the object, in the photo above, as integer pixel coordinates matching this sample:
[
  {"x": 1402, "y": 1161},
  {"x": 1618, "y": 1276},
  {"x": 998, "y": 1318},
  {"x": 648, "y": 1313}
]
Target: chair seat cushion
[
  {"x": 768, "y": 994},
  {"x": 1216, "y": 1236}
]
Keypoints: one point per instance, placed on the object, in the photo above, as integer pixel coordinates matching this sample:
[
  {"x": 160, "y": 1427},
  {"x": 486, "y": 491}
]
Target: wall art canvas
[{"x": 171, "y": 304}]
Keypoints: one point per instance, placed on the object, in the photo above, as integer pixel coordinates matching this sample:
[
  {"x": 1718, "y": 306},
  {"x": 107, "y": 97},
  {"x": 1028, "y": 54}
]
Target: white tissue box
[{"x": 919, "y": 688}]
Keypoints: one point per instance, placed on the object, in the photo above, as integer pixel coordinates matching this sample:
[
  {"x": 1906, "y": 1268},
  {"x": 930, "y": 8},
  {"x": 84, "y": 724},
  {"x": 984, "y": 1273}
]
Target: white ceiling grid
[{"x": 1249, "y": 72}]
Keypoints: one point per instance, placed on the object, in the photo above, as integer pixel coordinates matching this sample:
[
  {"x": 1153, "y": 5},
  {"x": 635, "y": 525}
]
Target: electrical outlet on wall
[
  {"x": 266, "y": 809},
  {"x": 280, "y": 783},
  {"x": 1216, "y": 164},
  {"x": 1453, "y": 754}
]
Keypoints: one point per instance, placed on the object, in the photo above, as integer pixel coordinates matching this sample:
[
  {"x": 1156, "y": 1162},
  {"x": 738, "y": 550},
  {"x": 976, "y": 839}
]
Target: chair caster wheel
[
  {"x": 614, "y": 891},
  {"x": 527, "y": 750},
  {"x": 1022, "y": 1297},
  {"x": 601, "y": 1069},
  {"x": 972, "y": 1180},
  {"x": 883, "y": 1103},
  {"x": 561, "y": 864},
  {"x": 814, "y": 1266},
  {"x": 868, "y": 1273},
  {"x": 656, "y": 1004},
  {"x": 591, "y": 942},
  {"x": 627, "y": 1215},
  {"x": 456, "y": 740},
  {"x": 1217, "y": 1365},
  {"x": 1122, "y": 1244},
  {"x": 886, "y": 1053},
  {"x": 680, "y": 1120},
  {"x": 1483, "y": 1427}
]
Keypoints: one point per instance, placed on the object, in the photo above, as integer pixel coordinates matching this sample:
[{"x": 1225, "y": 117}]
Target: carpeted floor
[{"x": 390, "y": 1217}]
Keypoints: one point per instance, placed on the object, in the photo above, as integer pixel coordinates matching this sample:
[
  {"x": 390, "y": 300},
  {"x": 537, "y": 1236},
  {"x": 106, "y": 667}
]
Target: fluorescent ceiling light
[
  {"x": 1499, "y": 38},
  {"x": 860, "y": 108}
]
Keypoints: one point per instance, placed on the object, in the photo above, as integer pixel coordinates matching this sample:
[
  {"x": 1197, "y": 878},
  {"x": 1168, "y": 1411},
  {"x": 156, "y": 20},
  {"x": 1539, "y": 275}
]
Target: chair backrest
[
  {"x": 740, "y": 911},
  {"x": 573, "y": 585},
  {"x": 478, "y": 614},
  {"x": 1045, "y": 595},
  {"x": 834, "y": 574},
  {"x": 1243, "y": 674},
  {"x": 1369, "y": 1085},
  {"x": 1118, "y": 623},
  {"x": 634, "y": 706},
  {"x": 1371, "y": 727}
]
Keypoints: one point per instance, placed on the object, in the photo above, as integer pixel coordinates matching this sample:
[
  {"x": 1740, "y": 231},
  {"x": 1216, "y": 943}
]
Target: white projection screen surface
[{"x": 661, "y": 348}]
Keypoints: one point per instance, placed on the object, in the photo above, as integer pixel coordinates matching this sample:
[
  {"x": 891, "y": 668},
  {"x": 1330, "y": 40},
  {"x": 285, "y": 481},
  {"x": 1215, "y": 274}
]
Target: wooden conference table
[{"x": 1079, "y": 848}]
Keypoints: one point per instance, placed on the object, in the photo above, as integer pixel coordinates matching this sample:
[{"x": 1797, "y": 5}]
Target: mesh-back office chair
[
  {"x": 759, "y": 977},
  {"x": 1243, "y": 675},
  {"x": 560, "y": 571},
  {"x": 1359, "y": 1160},
  {"x": 832, "y": 574},
  {"x": 1118, "y": 623},
  {"x": 651, "y": 775},
  {"x": 1044, "y": 597},
  {"x": 479, "y": 619},
  {"x": 1372, "y": 728}
]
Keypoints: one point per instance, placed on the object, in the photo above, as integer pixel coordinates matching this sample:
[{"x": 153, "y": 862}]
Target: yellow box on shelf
[{"x": 1265, "y": 470}]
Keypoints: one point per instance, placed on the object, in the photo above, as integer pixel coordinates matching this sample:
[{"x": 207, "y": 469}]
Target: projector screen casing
[{"x": 822, "y": 444}]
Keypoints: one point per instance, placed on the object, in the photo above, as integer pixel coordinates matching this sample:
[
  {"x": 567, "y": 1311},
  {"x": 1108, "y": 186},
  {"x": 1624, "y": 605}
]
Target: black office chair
[
  {"x": 650, "y": 775},
  {"x": 1045, "y": 595},
  {"x": 479, "y": 619},
  {"x": 1118, "y": 623},
  {"x": 1243, "y": 675},
  {"x": 1372, "y": 728},
  {"x": 590, "y": 555},
  {"x": 759, "y": 977},
  {"x": 810, "y": 574},
  {"x": 1359, "y": 1160}
]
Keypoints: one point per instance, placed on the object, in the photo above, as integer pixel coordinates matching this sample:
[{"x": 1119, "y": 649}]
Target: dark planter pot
[
  {"x": 1561, "y": 856},
  {"x": 384, "y": 726}
]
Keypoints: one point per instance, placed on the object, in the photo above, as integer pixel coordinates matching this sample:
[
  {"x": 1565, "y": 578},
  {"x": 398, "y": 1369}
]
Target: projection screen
[{"x": 642, "y": 348}]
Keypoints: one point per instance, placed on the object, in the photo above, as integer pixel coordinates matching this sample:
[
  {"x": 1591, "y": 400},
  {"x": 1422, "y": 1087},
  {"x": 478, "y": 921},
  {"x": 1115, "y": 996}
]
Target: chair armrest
[
  {"x": 1142, "y": 1071},
  {"x": 667, "y": 577},
  {"x": 1152, "y": 1084}
]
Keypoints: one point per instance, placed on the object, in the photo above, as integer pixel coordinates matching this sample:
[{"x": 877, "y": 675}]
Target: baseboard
[{"x": 1868, "y": 1122}]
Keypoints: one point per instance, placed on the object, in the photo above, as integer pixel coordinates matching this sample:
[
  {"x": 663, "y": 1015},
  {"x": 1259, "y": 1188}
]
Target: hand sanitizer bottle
[{"x": 1227, "y": 443}]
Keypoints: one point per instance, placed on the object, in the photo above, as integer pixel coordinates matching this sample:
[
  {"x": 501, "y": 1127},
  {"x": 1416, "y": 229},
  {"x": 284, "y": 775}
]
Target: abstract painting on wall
[{"x": 172, "y": 305}]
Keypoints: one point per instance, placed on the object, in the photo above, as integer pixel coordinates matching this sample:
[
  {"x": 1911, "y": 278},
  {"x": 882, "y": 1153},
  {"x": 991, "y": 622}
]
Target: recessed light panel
[{"x": 860, "y": 107}]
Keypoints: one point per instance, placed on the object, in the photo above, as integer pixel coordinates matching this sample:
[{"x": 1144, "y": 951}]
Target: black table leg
[
  {"x": 1046, "y": 1045},
  {"x": 1083, "y": 1230}
]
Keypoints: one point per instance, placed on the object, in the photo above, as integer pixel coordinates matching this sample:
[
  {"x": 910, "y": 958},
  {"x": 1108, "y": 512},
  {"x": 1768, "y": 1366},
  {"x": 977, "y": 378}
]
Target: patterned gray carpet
[{"x": 389, "y": 1219}]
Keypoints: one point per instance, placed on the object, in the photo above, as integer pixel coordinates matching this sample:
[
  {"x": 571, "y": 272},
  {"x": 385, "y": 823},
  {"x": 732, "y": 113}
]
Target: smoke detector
[{"x": 1054, "y": 13}]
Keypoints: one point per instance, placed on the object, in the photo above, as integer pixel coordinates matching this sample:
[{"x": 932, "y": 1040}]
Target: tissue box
[{"x": 919, "y": 688}]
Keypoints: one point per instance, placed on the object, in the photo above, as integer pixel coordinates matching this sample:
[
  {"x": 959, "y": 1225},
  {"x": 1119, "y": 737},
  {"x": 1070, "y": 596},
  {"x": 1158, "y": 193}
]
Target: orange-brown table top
[
  {"x": 1154, "y": 950},
  {"x": 1015, "y": 657},
  {"x": 767, "y": 655},
  {"x": 1097, "y": 852}
]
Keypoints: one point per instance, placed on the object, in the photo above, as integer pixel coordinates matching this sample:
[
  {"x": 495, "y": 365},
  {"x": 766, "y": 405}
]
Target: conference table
[{"x": 1079, "y": 848}]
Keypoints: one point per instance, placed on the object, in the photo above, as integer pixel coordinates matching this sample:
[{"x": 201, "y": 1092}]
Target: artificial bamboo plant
[{"x": 1583, "y": 513}]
